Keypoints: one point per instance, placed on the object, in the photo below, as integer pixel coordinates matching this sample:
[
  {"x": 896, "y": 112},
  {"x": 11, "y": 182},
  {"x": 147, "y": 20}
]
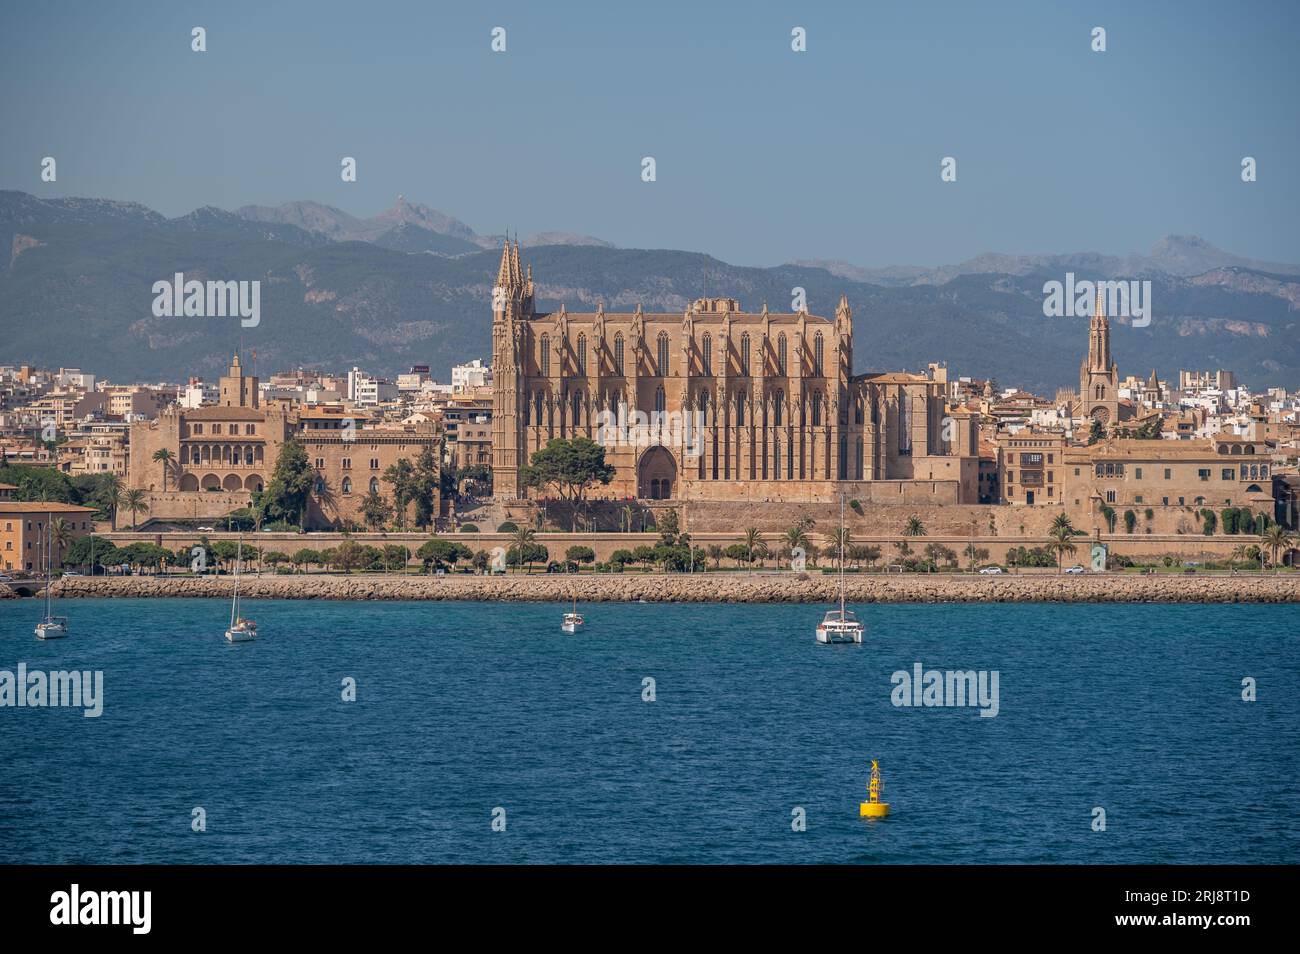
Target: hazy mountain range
[{"x": 413, "y": 285}]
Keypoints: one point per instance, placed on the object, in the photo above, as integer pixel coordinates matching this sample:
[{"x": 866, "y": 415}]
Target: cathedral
[{"x": 718, "y": 403}]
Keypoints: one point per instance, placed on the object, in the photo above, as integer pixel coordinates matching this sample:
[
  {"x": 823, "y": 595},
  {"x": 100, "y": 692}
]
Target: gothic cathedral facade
[{"x": 717, "y": 403}]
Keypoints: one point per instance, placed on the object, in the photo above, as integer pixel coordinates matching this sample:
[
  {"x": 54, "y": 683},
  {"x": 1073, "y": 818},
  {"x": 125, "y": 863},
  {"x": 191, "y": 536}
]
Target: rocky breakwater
[{"x": 711, "y": 588}]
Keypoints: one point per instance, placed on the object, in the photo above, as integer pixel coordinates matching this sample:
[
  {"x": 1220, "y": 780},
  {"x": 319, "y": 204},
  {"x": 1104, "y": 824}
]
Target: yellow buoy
[{"x": 874, "y": 807}]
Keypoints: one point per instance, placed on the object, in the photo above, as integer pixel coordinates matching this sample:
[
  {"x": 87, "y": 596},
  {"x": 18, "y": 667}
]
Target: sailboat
[
  {"x": 572, "y": 621},
  {"x": 840, "y": 626},
  {"x": 51, "y": 626},
  {"x": 241, "y": 630}
]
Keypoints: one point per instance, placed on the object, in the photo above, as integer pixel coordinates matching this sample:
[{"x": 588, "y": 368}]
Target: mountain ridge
[{"x": 75, "y": 290}]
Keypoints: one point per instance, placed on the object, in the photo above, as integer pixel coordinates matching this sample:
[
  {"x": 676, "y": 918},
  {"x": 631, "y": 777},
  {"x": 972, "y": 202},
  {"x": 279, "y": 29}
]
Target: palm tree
[
  {"x": 796, "y": 538},
  {"x": 628, "y": 512},
  {"x": 1063, "y": 521},
  {"x": 164, "y": 457},
  {"x": 753, "y": 540},
  {"x": 1061, "y": 543},
  {"x": 1277, "y": 538},
  {"x": 523, "y": 539},
  {"x": 133, "y": 501},
  {"x": 112, "y": 496},
  {"x": 914, "y": 528},
  {"x": 60, "y": 537}
]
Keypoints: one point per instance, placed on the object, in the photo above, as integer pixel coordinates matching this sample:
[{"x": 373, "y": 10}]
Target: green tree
[
  {"x": 569, "y": 466},
  {"x": 438, "y": 552},
  {"x": 349, "y": 555},
  {"x": 1277, "y": 539},
  {"x": 1061, "y": 543},
  {"x": 402, "y": 478},
  {"x": 165, "y": 457},
  {"x": 580, "y": 554},
  {"x": 291, "y": 485},
  {"x": 375, "y": 510},
  {"x": 305, "y": 557},
  {"x": 1130, "y": 521},
  {"x": 669, "y": 526},
  {"x": 133, "y": 502},
  {"x": 425, "y": 483},
  {"x": 523, "y": 545},
  {"x": 914, "y": 527}
]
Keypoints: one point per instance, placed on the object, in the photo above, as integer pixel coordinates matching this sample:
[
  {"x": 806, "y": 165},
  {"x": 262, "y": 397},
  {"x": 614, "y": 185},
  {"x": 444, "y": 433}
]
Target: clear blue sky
[{"x": 764, "y": 155}]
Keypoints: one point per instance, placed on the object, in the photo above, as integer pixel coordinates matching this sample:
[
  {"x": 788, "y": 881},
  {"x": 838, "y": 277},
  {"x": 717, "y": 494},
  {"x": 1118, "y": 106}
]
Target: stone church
[{"x": 718, "y": 403}]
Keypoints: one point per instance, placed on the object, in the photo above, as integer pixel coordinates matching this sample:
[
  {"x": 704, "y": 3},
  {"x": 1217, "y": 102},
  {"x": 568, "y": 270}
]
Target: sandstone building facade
[
  {"x": 223, "y": 453},
  {"x": 736, "y": 405}
]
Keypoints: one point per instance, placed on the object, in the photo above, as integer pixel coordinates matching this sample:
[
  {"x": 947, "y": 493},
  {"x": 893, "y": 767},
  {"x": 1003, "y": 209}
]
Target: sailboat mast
[
  {"x": 841, "y": 556},
  {"x": 234, "y": 603},
  {"x": 49, "y": 564}
]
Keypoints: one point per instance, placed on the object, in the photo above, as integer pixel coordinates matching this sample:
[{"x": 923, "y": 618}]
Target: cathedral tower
[{"x": 1098, "y": 375}]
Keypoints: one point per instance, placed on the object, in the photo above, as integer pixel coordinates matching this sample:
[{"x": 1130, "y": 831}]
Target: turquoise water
[{"x": 463, "y": 708}]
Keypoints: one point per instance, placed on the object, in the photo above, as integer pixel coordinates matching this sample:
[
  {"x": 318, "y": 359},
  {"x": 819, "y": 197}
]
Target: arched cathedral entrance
[{"x": 656, "y": 474}]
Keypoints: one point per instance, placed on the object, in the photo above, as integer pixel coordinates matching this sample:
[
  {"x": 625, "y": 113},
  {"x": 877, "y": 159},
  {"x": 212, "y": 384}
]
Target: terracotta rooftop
[{"x": 40, "y": 506}]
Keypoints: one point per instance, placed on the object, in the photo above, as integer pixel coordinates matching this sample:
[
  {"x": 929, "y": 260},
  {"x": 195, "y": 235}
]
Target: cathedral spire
[
  {"x": 503, "y": 273},
  {"x": 516, "y": 273}
]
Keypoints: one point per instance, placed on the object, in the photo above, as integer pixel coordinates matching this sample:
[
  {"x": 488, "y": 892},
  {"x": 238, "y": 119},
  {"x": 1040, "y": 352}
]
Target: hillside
[{"x": 76, "y": 279}]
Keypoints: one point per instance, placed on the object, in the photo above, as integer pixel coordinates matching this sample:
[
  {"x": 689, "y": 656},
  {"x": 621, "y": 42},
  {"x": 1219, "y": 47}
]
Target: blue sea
[{"x": 465, "y": 708}]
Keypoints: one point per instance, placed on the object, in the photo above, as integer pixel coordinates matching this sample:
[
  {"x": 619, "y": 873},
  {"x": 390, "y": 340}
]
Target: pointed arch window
[
  {"x": 707, "y": 355},
  {"x": 744, "y": 354},
  {"x": 782, "y": 352},
  {"x": 537, "y": 405},
  {"x": 817, "y": 408},
  {"x": 661, "y": 403},
  {"x": 661, "y": 362},
  {"x": 818, "y": 354},
  {"x": 740, "y": 409},
  {"x": 347, "y": 485},
  {"x": 576, "y": 403},
  {"x": 544, "y": 357},
  {"x": 374, "y": 485},
  {"x": 582, "y": 354},
  {"x": 618, "y": 354},
  {"x": 778, "y": 408},
  {"x": 704, "y": 406}
]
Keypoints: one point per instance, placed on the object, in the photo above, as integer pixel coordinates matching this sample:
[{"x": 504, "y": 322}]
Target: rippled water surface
[{"x": 463, "y": 708}]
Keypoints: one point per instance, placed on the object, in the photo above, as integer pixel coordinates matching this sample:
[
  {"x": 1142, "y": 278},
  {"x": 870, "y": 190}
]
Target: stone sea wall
[{"x": 713, "y": 588}]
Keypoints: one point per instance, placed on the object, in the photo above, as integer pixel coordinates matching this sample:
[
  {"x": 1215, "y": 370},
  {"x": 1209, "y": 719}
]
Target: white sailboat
[
  {"x": 50, "y": 626},
  {"x": 241, "y": 630},
  {"x": 840, "y": 626},
  {"x": 572, "y": 621}
]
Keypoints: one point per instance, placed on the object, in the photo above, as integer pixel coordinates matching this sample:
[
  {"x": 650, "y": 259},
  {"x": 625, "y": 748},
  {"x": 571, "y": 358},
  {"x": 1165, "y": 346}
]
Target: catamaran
[
  {"x": 572, "y": 621},
  {"x": 51, "y": 626},
  {"x": 840, "y": 626},
  {"x": 241, "y": 630}
]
